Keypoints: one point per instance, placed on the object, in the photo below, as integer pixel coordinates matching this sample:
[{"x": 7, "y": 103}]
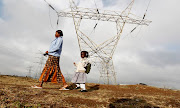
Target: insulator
[
  {"x": 133, "y": 29},
  {"x": 144, "y": 16},
  {"x": 51, "y": 7}
]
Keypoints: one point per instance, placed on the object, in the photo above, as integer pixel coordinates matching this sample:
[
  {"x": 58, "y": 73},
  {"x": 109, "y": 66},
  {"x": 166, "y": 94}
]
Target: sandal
[
  {"x": 63, "y": 88},
  {"x": 36, "y": 87}
]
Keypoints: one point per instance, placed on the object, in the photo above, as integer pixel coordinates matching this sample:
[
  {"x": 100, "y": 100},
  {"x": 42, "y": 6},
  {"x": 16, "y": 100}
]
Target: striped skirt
[{"x": 51, "y": 71}]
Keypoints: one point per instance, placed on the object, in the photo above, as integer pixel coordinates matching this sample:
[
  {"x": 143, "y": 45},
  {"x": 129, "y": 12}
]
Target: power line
[
  {"x": 141, "y": 21},
  {"x": 50, "y": 6}
]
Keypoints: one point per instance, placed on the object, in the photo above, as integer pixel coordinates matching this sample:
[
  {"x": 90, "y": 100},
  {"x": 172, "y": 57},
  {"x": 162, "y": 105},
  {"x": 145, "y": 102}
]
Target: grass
[{"x": 16, "y": 92}]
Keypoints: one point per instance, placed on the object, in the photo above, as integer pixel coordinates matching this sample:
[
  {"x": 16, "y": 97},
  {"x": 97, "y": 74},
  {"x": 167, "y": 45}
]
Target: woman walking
[{"x": 52, "y": 72}]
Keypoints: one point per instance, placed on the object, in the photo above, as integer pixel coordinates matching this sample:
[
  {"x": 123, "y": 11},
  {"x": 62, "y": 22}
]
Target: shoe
[
  {"x": 36, "y": 87},
  {"x": 83, "y": 91},
  {"x": 63, "y": 88},
  {"x": 77, "y": 88}
]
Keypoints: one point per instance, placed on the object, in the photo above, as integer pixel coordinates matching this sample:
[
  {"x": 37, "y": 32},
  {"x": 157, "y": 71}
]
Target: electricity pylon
[
  {"x": 41, "y": 63},
  {"x": 102, "y": 53},
  {"x": 29, "y": 71}
]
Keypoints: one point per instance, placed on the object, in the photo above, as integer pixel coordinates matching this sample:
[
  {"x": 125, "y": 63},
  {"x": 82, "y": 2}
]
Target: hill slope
[{"x": 17, "y": 92}]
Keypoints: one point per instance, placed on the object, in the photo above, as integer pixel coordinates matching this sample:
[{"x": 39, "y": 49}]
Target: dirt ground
[{"x": 16, "y": 92}]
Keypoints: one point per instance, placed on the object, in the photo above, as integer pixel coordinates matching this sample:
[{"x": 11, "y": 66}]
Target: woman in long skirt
[{"x": 51, "y": 71}]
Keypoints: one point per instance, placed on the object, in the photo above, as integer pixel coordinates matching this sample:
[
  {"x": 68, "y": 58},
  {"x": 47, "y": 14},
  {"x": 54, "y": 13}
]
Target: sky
[
  {"x": 1, "y": 5},
  {"x": 149, "y": 55}
]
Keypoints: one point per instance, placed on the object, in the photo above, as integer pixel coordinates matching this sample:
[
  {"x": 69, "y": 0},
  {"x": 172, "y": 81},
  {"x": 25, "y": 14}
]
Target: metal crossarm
[{"x": 112, "y": 16}]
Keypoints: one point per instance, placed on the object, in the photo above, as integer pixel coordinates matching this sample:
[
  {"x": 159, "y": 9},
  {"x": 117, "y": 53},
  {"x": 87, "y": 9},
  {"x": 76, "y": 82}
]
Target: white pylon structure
[{"x": 103, "y": 52}]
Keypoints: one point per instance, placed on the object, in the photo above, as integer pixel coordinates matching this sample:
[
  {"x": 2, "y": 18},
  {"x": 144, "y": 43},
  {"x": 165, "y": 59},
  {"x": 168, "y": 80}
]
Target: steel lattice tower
[{"x": 102, "y": 54}]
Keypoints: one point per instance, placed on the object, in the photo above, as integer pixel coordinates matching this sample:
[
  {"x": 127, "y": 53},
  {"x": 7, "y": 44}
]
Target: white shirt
[{"x": 81, "y": 64}]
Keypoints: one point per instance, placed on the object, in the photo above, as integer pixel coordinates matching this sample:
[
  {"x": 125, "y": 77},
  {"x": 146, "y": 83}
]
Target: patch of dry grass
[{"x": 17, "y": 92}]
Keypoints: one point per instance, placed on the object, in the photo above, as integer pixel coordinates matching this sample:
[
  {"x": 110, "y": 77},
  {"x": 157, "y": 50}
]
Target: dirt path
[{"x": 17, "y": 92}]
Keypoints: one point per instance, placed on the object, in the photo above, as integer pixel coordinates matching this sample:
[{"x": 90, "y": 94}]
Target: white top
[{"x": 81, "y": 64}]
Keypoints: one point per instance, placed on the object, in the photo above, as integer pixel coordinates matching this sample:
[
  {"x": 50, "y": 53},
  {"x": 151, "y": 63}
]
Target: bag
[{"x": 88, "y": 68}]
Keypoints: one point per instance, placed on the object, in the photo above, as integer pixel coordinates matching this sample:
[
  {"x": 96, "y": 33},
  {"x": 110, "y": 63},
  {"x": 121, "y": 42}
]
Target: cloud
[
  {"x": 108, "y": 2},
  {"x": 160, "y": 57},
  {"x": 1, "y": 7},
  {"x": 1, "y": 21}
]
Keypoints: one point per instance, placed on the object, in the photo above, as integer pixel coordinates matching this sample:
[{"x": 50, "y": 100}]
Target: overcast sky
[{"x": 149, "y": 55}]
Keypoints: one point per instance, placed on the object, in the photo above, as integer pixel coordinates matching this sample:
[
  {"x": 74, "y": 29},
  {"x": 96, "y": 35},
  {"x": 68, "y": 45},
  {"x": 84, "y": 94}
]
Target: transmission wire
[
  {"x": 141, "y": 20},
  {"x": 50, "y": 6},
  {"x": 96, "y": 21}
]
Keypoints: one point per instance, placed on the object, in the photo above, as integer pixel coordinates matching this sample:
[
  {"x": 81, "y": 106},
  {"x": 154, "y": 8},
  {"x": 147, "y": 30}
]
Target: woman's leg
[
  {"x": 64, "y": 81},
  {"x": 40, "y": 84},
  {"x": 45, "y": 71}
]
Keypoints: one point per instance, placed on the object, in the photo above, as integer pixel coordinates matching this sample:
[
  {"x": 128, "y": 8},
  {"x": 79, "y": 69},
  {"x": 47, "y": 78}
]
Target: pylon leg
[{"x": 107, "y": 73}]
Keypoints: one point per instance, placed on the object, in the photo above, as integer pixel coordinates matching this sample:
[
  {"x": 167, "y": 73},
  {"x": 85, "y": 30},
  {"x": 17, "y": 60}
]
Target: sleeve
[
  {"x": 57, "y": 45},
  {"x": 90, "y": 60},
  {"x": 85, "y": 62}
]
